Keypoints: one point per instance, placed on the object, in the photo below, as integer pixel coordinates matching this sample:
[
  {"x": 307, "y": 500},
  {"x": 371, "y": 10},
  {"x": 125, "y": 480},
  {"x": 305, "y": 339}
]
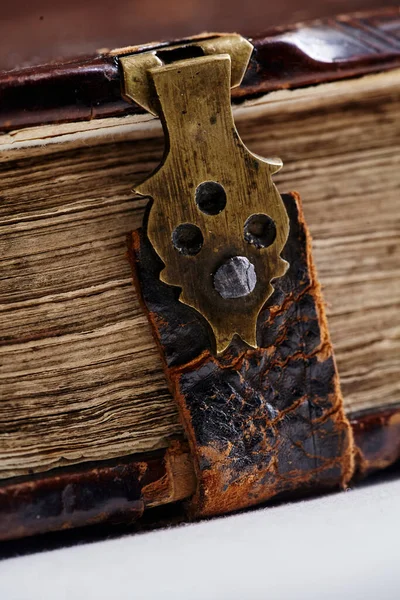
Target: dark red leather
[{"x": 287, "y": 57}]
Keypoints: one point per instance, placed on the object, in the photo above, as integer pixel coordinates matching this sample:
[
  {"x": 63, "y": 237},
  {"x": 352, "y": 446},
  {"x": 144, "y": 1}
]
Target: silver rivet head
[{"x": 235, "y": 278}]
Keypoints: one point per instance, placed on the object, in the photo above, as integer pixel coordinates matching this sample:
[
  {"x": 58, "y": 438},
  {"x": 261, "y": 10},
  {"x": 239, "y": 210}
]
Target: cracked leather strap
[{"x": 260, "y": 422}]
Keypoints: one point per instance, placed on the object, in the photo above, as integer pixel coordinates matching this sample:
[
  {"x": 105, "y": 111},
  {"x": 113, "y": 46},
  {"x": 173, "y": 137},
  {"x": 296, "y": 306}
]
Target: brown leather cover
[
  {"x": 377, "y": 438},
  {"x": 287, "y": 57},
  {"x": 107, "y": 492},
  {"x": 260, "y": 422},
  {"x": 72, "y": 497},
  {"x": 33, "y": 33}
]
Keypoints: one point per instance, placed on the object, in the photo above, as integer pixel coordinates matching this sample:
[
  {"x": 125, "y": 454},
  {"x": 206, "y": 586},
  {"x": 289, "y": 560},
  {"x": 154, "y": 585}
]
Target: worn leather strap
[{"x": 260, "y": 422}]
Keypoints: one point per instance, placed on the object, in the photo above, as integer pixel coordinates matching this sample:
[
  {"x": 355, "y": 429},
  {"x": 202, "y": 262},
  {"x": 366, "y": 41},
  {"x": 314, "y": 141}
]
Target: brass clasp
[{"x": 217, "y": 221}]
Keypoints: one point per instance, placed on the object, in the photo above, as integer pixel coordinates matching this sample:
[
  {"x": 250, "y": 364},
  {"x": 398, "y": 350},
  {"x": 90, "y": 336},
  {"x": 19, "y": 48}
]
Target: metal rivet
[{"x": 235, "y": 278}]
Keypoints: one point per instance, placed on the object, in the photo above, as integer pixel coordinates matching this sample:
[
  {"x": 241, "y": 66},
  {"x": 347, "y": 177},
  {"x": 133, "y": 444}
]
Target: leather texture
[
  {"x": 87, "y": 88},
  {"x": 260, "y": 422}
]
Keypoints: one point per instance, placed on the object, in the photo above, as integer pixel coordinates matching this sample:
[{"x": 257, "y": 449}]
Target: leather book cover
[{"x": 257, "y": 424}]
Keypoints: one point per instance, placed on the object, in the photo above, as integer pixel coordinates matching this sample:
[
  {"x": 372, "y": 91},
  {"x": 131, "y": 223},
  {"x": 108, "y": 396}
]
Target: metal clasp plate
[{"x": 217, "y": 221}]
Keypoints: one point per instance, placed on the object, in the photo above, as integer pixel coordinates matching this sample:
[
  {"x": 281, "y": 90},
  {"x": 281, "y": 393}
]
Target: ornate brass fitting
[{"x": 217, "y": 222}]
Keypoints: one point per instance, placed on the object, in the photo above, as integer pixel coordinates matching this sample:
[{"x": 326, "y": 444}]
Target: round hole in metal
[
  {"x": 260, "y": 230},
  {"x": 210, "y": 197},
  {"x": 187, "y": 239}
]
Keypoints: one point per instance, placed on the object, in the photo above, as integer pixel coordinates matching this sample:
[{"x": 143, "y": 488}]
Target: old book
[{"x": 85, "y": 404}]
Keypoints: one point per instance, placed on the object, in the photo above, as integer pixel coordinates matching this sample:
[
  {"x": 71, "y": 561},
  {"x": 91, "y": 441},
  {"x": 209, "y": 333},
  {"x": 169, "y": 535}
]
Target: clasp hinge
[{"x": 137, "y": 67}]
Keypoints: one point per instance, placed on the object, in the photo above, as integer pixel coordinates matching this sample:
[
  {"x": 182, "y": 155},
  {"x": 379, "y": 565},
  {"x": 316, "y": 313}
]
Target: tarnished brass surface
[{"x": 196, "y": 229}]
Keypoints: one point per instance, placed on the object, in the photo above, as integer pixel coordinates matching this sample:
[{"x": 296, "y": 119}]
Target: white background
[{"x": 342, "y": 546}]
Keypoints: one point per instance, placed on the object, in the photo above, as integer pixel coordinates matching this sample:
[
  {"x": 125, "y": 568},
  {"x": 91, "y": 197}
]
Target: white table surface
[{"x": 341, "y": 546}]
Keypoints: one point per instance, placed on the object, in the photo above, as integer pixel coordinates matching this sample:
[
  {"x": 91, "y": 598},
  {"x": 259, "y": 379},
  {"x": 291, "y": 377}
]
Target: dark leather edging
[
  {"x": 376, "y": 437},
  {"x": 112, "y": 491},
  {"x": 289, "y": 57}
]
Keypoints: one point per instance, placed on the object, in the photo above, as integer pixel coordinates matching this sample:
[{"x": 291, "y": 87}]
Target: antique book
[{"x": 100, "y": 396}]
